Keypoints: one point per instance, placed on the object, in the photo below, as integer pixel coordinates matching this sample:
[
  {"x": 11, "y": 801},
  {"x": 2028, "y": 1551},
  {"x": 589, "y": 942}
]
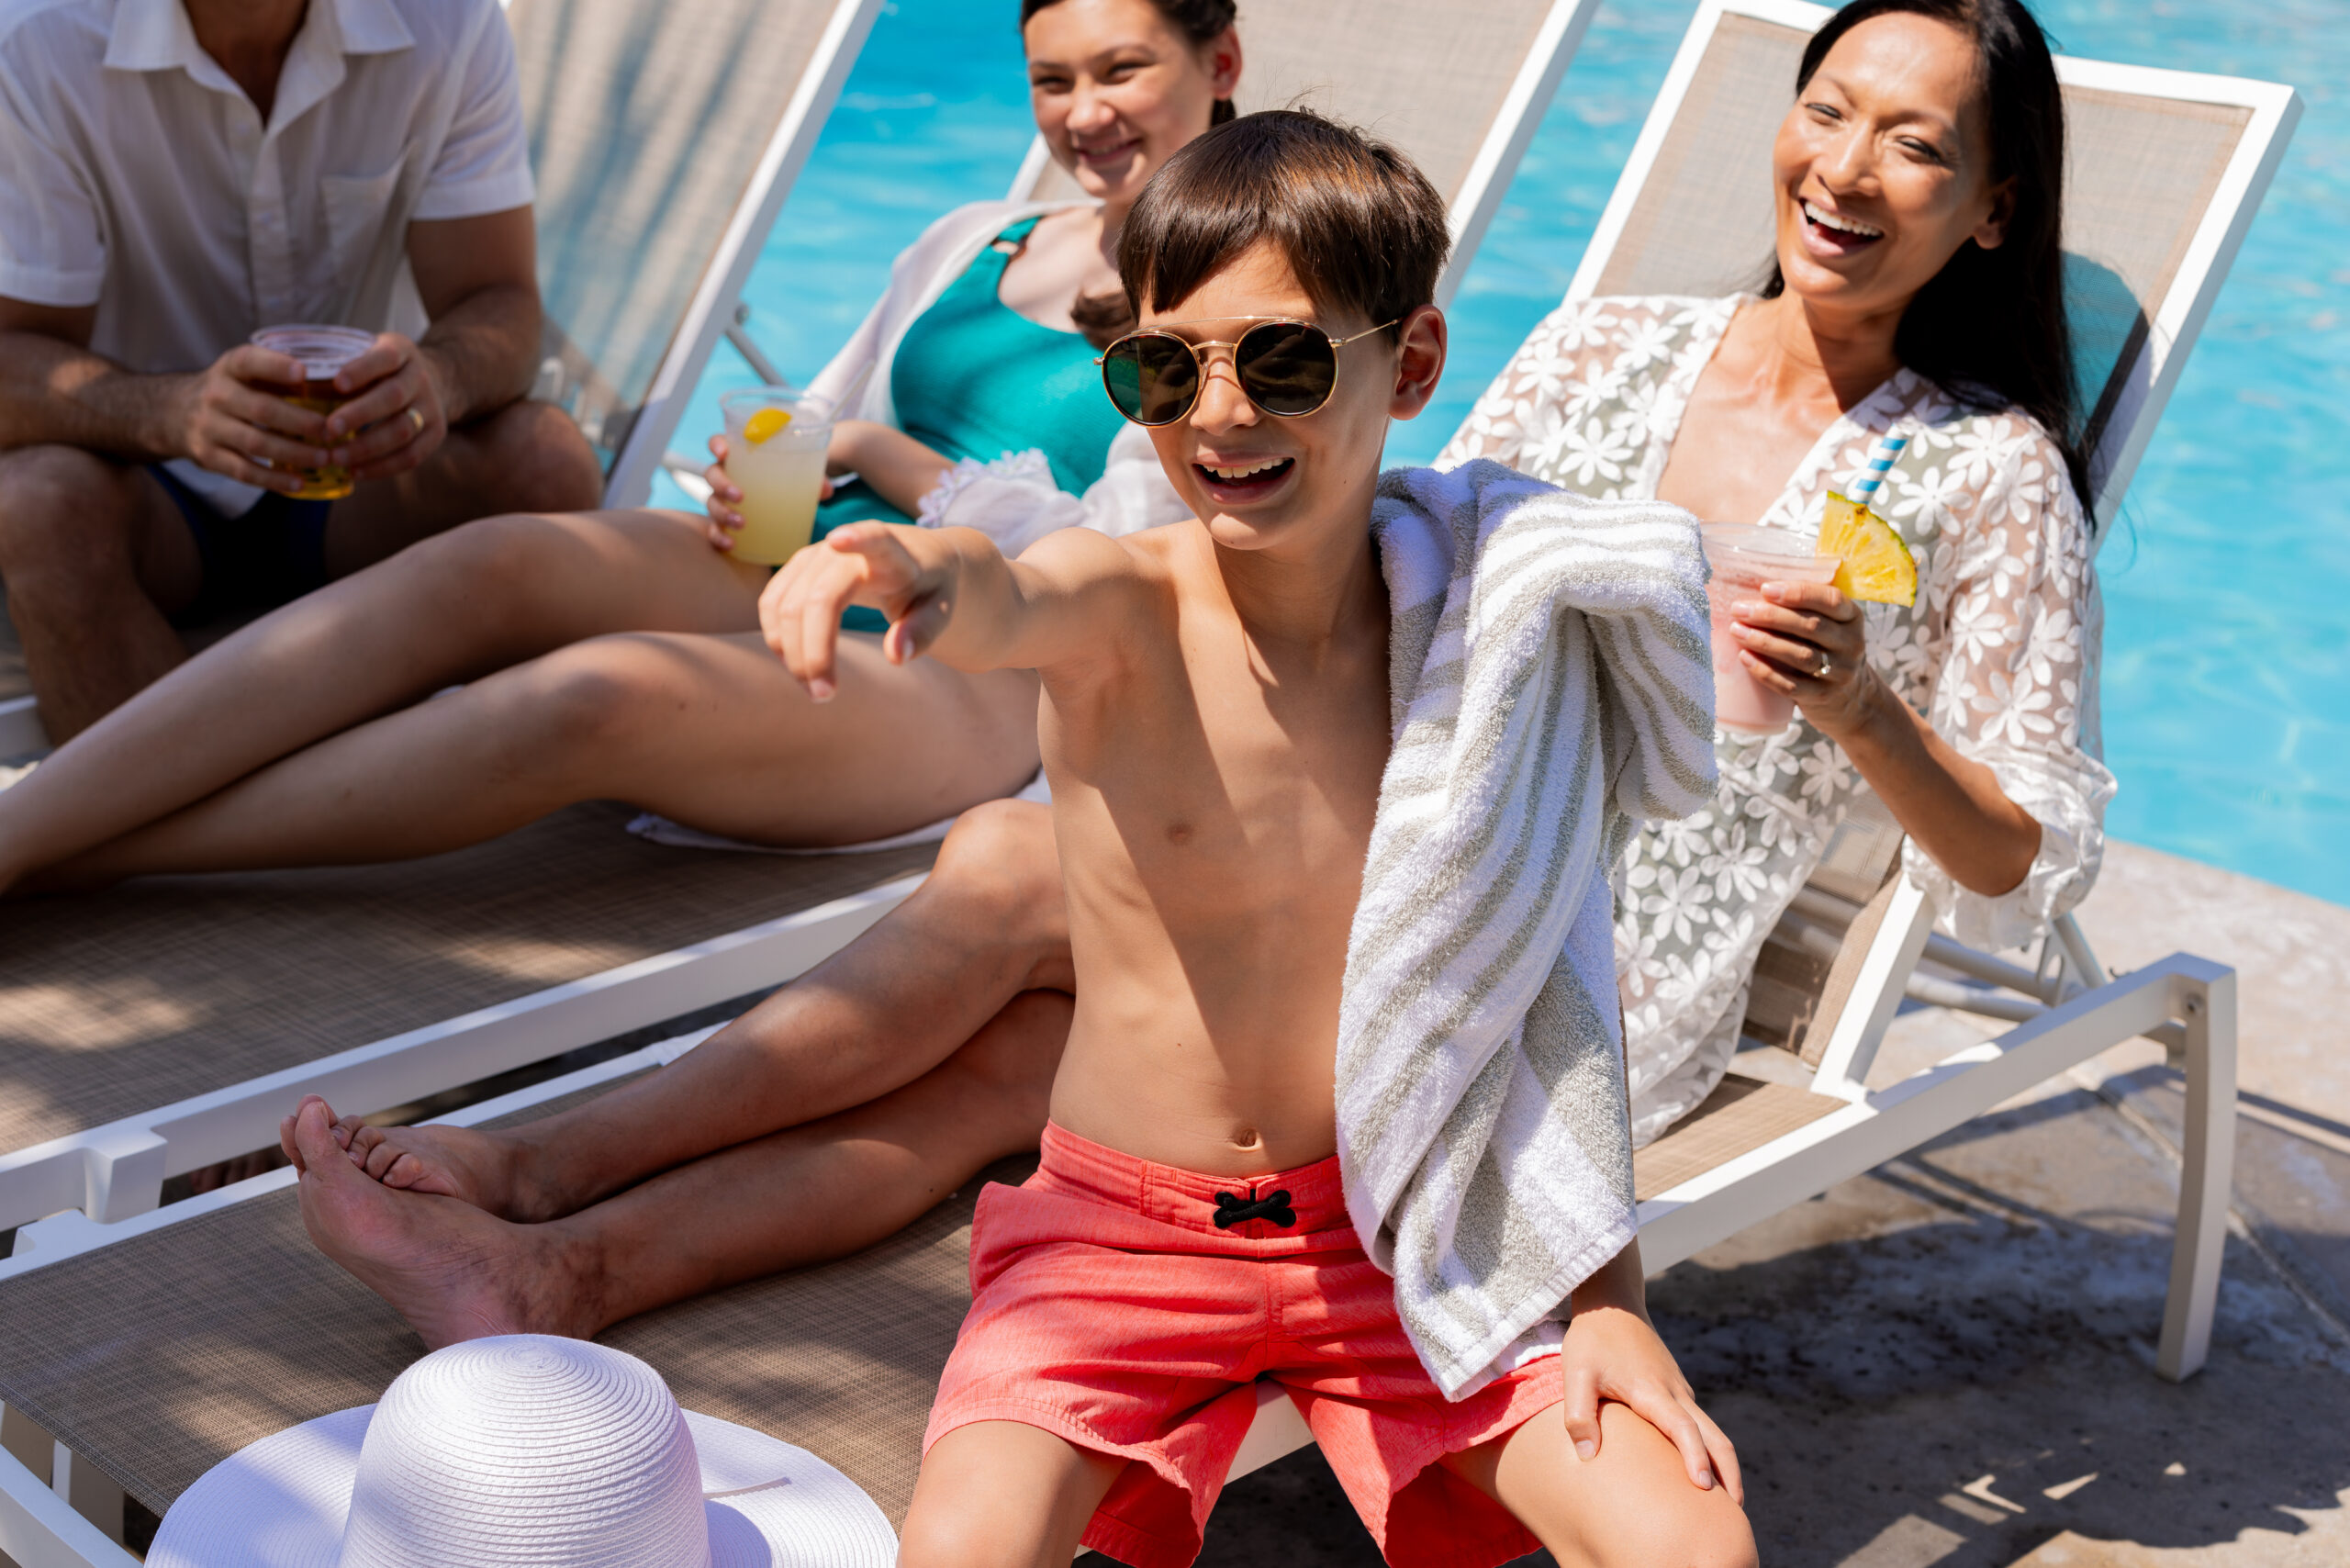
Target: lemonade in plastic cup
[
  {"x": 1743, "y": 557},
  {"x": 323, "y": 351},
  {"x": 775, "y": 439}
]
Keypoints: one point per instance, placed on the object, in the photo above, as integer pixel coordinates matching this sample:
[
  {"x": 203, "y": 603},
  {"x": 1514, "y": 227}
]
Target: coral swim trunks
[{"x": 1131, "y": 1308}]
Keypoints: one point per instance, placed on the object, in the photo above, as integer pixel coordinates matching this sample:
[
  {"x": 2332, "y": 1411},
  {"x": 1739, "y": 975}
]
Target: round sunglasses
[{"x": 1286, "y": 367}]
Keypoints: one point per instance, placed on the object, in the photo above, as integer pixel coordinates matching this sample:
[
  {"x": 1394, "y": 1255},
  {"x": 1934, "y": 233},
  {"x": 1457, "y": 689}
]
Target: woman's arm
[
  {"x": 901, "y": 469},
  {"x": 1951, "y": 805},
  {"x": 1998, "y": 785}
]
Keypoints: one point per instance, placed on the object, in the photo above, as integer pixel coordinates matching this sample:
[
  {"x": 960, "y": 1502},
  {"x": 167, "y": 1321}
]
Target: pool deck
[{"x": 1913, "y": 1362}]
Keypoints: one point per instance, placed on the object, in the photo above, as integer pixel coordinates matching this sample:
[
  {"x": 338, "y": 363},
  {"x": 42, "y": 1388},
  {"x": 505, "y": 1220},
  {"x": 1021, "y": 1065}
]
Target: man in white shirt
[{"x": 175, "y": 174}]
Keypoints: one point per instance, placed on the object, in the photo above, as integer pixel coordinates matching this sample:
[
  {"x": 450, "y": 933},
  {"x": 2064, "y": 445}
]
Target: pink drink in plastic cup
[{"x": 1743, "y": 557}]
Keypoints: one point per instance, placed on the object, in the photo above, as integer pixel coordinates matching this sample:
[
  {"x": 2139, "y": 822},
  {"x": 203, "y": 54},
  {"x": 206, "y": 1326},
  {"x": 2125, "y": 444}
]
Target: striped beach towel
[{"x": 1551, "y": 689}]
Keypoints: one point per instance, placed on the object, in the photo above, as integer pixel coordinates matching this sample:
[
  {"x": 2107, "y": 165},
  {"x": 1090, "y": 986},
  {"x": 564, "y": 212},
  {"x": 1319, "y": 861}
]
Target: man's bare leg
[
  {"x": 801, "y": 1196},
  {"x": 986, "y": 925},
  {"x": 457, "y": 606},
  {"x": 95, "y": 557},
  {"x": 525, "y": 457}
]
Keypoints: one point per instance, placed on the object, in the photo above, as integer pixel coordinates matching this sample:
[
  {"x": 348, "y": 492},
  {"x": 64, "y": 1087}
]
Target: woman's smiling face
[
  {"x": 1116, "y": 88},
  {"x": 1884, "y": 167}
]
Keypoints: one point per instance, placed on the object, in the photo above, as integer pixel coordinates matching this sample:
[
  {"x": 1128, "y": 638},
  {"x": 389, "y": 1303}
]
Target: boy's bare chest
[{"x": 1232, "y": 787}]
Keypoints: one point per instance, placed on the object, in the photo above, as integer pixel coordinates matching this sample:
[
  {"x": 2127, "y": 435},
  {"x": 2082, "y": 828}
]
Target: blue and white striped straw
[{"x": 1872, "y": 475}]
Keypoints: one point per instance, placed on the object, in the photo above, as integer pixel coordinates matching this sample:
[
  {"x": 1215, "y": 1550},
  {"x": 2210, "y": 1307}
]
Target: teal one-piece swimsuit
[{"x": 975, "y": 378}]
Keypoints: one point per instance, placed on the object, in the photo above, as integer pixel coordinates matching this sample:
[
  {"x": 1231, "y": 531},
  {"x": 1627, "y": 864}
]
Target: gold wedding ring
[
  {"x": 1821, "y": 673},
  {"x": 417, "y": 419}
]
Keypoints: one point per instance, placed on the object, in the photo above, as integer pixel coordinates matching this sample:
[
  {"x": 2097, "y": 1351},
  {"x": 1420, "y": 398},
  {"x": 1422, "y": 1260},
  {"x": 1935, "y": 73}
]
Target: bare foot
[
  {"x": 453, "y": 1271},
  {"x": 488, "y": 1170}
]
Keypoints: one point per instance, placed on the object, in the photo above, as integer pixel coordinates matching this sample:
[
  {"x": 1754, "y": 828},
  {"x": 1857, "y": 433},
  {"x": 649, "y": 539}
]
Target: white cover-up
[
  {"x": 1999, "y": 653},
  {"x": 1551, "y": 690}
]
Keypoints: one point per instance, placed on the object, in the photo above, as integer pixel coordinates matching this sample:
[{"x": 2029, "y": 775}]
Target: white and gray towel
[{"x": 1551, "y": 689}]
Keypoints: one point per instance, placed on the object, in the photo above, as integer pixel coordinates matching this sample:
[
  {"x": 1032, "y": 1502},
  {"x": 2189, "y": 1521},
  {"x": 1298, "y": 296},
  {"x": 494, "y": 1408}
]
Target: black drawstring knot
[{"x": 1274, "y": 1206}]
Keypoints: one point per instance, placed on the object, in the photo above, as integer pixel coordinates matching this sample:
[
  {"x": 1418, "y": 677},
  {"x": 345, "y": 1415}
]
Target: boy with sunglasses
[{"x": 1215, "y": 723}]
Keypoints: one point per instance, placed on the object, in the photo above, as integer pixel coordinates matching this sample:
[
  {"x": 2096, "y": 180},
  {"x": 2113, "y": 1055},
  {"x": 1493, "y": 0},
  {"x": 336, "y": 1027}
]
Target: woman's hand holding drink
[{"x": 770, "y": 474}]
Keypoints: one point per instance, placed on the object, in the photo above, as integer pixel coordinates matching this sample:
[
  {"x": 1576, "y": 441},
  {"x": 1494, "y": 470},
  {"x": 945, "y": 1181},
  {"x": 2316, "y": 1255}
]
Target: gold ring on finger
[{"x": 416, "y": 418}]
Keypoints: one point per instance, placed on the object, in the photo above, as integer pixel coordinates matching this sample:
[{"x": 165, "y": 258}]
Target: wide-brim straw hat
[{"x": 524, "y": 1449}]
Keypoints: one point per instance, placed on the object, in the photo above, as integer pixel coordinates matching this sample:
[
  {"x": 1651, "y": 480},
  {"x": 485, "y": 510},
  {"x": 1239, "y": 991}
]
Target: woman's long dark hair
[
  {"x": 1105, "y": 317},
  {"x": 1990, "y": 327}
]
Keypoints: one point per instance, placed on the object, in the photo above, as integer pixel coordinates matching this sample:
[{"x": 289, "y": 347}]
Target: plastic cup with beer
[
  {"x": 323, "y": 351},
  {"x": 776, "y": 441},
  {"x": 1743, "y": 557}
]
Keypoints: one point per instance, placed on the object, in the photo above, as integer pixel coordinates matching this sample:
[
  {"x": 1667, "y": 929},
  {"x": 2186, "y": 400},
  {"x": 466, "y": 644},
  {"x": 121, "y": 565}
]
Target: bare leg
[
  {"x": 1630, "y": 1507},
  {"x": 713, "y": 732},
  {"x": 1001, "y": 1494},
  {"x": 474, "y": 601},
  {"x": 95, "y": 555},
  {"x": 525, "y": 457},
  {"x": 813, "y": 1192},
  {"x": 988, "y": 925}
]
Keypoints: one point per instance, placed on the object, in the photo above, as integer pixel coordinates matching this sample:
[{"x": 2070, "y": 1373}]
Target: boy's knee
[
  {"x": 932, "y": 1540},
  {"x": 999, "y": 861},
  {"x": 1706, "y": 1532}
]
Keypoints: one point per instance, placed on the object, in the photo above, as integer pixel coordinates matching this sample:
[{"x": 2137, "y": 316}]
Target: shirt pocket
[{"x": 365, "y": 219}]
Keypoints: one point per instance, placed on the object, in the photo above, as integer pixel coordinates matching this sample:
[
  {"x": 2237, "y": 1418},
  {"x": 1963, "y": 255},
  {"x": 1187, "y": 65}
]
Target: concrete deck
[{"x": 1948, "y": 1362}]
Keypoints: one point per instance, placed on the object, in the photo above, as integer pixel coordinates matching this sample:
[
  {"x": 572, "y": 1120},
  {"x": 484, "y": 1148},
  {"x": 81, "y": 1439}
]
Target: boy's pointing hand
[{"x": 887, "y": 568}]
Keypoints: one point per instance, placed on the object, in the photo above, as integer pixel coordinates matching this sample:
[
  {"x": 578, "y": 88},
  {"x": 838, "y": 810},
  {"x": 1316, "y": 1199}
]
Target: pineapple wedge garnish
[{"x": 1877, "y": 567}]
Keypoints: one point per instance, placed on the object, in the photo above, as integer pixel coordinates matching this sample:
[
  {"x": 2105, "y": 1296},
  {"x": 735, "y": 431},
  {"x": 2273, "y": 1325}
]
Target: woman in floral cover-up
[{"x": 1999, "y": 653}]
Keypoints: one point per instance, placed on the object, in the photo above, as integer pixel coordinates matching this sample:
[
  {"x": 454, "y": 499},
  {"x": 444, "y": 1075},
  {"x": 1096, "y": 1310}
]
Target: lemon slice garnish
[
  {"x": 765, "y": 423},
  {"x": 1876, "y": 566}
]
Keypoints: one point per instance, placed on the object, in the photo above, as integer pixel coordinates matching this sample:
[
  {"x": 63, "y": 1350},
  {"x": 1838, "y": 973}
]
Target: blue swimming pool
[{"x": 2227, "y": 675}]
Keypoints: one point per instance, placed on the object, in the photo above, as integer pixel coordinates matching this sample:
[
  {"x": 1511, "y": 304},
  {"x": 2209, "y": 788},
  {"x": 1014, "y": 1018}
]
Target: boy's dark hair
[{"x": 1358, "y": 222}]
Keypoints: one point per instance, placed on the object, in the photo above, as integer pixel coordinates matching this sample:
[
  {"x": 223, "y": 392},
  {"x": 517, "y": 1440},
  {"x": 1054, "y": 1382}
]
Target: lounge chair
[
  {"x": 665, "y": 140},
  {"x": 221, "y": 996},
  {"x": 204, "y": 1325}
]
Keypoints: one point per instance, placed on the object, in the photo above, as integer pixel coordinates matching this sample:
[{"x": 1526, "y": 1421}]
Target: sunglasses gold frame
[{"x": 1232, "y": 347}]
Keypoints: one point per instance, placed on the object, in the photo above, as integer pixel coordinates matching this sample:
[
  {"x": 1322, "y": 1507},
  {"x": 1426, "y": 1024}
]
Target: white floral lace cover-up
[{"x": 2000, "y": 652}]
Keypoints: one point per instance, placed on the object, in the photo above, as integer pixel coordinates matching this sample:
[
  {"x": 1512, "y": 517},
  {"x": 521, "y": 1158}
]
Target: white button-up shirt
[{"x": 135, "y": 176}]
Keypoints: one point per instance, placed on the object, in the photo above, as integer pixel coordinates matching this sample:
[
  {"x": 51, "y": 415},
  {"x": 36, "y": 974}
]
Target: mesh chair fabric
[
  {"x": 121, "y": 1002},
  {"x": 646, "y": 121}
]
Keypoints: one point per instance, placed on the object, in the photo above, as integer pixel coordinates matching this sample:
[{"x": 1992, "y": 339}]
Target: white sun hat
[{"x": 524, "y": 1450}]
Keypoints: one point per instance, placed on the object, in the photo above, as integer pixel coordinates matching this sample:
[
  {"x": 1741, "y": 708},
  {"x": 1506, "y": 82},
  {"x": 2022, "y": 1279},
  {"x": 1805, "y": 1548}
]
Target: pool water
[{"x": 2227, "y": 673}]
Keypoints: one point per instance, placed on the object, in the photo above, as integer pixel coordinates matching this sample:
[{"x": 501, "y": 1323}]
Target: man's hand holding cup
[{"x": 396, "y": 416}]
